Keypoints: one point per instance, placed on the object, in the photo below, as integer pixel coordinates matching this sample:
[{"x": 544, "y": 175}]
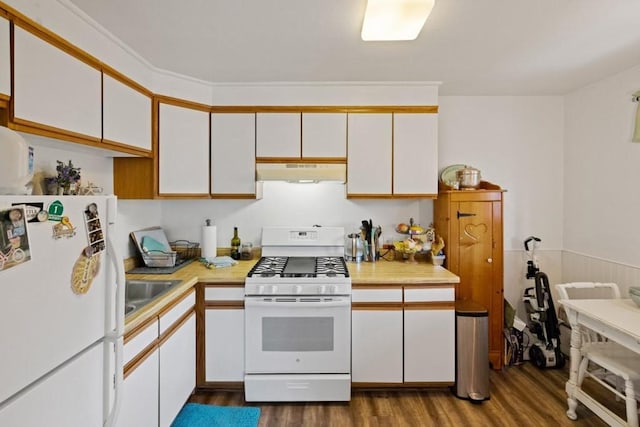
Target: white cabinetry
[
  {"x": 376, "y": 346},
  {"x": 224, "y": 345},
  {"x": 429, "y": 334},
  {"x": 54, "y": 89},
  {"x": 415, "y": 154},
  {"x": 429, "y": 345},
  {"x": 183, "y": 150},
  {"x": 224, "y": 334},
  {"x": 177, "y": 370},
  {"x": 140, "y": 394},
  {"x": 233, "y": 154},
  {"x": 324, "y": 135},
  {"x": 278, "y": 135},
  {"x": 403, "y": 335},
  {"x": 376, "y": 336},
  {"x": 5, "y": 57},
  {"x": 126, "y": 114},
  {"x": 160, "y": 366},
  {"x": 369, "y": 154},
  {"x": 393, "y": 155}
]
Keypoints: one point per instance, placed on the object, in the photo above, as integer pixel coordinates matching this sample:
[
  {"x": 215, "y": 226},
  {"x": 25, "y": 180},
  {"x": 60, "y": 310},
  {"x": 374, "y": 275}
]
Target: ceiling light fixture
[{"x": 395, "y": 19}]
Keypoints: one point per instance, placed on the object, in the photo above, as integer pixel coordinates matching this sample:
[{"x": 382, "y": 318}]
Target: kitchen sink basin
[{"x": 139, "y": 293}]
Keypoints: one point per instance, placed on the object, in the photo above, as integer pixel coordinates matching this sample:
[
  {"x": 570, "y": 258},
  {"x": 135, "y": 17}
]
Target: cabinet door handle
[
  {"x": 490, "y": 260},
  {"x": 461, "y": 214}
]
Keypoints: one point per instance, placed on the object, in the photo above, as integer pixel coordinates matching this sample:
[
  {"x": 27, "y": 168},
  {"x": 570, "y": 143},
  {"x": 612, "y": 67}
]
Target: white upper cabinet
[
  {"x": 183, "y": 150},
  {"x": 324, "y": 135},
  {"x": 55, "y": 89},
  {"x": 126, "y": 114},
  {"x": 369, "y": 154},
  {"x": 5, "y": 58},
  {"x": 415, "y": 154},
  {"x": 278, "y": 135},
  {"x": 233, "y": 153}
]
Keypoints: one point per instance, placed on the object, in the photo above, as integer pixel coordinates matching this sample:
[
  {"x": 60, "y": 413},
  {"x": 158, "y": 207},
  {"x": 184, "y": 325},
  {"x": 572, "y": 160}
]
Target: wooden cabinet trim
[
  {"x": 53, "y": 39},
  {"x": 177, "y": 102},
  {"x": 427, "y": 109},
  {"x": 140, "y": 358},
  {"x": 378, "y": 385},
  {"x": 223, "y": 305},
  {"x": 223, "y": 285},
  {"x": 382, "y": 306},
  {"x": 176, "y": 301},
  {"x": 221, "y": 385},
  {"x": 233, "y": 196},
  {"x": 183, "y": 196},
  {"x": 314, "y": 160},
  {"x": 52, "y": 132},
  {"x": 176, "y": 325},
  {"x": 117, "y": 75},
  {"x": 4, "y": 100},
  {"x": 391, "y": 196},
  {"x": 139, "y": 328},
  {"x": 435, "y": 305},
  {"x": 124, "y": 148}
]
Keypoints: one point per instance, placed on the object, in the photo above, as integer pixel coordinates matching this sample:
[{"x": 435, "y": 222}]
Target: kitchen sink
[{"x": 139, "y": 293}]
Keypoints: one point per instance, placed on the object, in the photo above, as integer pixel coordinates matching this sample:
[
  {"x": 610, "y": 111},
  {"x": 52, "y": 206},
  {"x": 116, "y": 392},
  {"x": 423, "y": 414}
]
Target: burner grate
[
  {"x": 331, "y": 267},
  {"x": 272, "y": 266}
]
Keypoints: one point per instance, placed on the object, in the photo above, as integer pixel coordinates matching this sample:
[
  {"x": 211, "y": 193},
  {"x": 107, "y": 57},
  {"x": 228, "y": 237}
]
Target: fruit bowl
[{"x": 413, "y": 229}]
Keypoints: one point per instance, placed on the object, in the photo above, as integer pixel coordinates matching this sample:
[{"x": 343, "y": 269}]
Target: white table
[{"x": 616, "y": 319}]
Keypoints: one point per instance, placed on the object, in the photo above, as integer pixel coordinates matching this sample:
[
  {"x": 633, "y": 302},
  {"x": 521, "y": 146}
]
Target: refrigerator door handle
[{"x": 116, "y": 336}]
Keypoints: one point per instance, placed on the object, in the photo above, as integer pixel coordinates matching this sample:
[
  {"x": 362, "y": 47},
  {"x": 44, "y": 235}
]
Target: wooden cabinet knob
[{"x": 489, "y": 260}]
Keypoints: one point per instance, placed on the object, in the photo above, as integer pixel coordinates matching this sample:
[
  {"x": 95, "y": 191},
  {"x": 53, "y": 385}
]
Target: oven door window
[{"x": 297, "y": 333}]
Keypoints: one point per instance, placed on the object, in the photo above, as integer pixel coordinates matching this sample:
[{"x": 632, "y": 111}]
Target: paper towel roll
[{"x": 209, "y": 241}]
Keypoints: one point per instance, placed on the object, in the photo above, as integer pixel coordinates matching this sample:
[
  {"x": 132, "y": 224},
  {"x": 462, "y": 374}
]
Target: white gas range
[{"x": 298, "y": 317}]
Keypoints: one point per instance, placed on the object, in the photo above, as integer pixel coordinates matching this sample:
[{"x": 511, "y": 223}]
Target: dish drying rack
[{"x": 181, "y": 251}]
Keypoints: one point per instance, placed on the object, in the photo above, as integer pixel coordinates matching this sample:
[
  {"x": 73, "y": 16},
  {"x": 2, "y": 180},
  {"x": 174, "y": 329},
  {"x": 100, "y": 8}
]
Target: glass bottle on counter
[{"x": 235, "y": 244}]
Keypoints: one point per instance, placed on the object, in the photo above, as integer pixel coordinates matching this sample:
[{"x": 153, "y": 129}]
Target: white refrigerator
[{"x": 61, "y": 311}]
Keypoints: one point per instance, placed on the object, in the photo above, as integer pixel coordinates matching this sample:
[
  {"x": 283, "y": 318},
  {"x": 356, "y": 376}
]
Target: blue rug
[{"x": 199, "y": 415}]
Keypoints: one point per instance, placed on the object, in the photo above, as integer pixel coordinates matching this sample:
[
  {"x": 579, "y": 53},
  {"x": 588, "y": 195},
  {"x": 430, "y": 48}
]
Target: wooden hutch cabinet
[{"x": 470, "y": 222}]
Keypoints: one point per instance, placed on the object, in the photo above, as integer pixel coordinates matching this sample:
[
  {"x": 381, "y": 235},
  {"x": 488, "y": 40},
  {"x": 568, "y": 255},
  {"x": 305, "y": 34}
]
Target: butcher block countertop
[{"x": 365, "y": 275}]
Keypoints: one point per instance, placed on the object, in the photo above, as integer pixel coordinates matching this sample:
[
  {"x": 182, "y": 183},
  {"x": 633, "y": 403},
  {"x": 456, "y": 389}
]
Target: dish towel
[
  {"x": 220, "y": 261},
  {"x": 199, "y": 415}
]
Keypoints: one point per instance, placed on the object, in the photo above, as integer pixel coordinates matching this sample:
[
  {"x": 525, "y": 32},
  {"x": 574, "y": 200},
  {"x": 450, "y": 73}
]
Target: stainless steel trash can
[{"x": 472, "y": 351}]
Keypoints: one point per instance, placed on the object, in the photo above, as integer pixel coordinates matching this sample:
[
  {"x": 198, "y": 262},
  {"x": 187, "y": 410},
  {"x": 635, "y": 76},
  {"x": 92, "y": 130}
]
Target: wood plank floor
[{"x": 520, "y": 396}]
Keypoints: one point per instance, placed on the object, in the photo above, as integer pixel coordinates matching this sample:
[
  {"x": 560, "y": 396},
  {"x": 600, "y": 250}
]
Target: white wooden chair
[{"x": 608, "y": 355}]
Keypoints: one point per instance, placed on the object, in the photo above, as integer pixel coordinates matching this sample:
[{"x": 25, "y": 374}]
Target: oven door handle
[{"x": 262, "y": 302}]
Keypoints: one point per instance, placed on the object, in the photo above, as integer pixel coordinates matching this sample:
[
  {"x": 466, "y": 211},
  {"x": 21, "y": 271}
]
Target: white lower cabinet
[
  {"x": 140, "y": 395},
  {"x": 403, "y": 335},
  {"x": 177, "y": 370},
  {"x": 224, "y": 345},
  {"x": 160, "y": 367},
  {"x": 376, "y": 346},
  {"x": 429, "y": 346}
]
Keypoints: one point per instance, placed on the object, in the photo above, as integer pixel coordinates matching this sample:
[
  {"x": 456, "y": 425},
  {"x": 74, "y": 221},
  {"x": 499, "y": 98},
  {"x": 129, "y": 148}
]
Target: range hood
[{"x": 302, "y": 172}]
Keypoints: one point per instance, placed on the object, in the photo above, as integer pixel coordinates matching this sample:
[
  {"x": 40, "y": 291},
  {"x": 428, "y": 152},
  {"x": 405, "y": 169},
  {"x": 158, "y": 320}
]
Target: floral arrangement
[{"x": 67, "y": 174}]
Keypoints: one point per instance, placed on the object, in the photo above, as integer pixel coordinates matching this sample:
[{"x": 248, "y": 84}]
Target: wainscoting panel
[{"x": 577, "y": 267}]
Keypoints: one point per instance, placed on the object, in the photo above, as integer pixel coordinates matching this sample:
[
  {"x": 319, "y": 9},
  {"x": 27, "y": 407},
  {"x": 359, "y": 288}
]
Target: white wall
[
  {"x": 516, "y": 142},
  {"x": 601, "y": 177},
  {"x": 601, "y": 170}
]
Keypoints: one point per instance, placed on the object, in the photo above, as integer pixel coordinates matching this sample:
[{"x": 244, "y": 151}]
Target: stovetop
[{"x": 300, "y": 267}]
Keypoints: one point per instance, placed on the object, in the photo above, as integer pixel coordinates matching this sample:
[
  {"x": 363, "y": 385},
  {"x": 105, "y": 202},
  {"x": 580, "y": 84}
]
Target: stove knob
[
  {"x": 322, "y": 289},
  {"x": 297, "y": 289},
  {"x": 260, "y": 289},
  {"x": 334, "y": 289},
  {"x": 274, "y": 289}
]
